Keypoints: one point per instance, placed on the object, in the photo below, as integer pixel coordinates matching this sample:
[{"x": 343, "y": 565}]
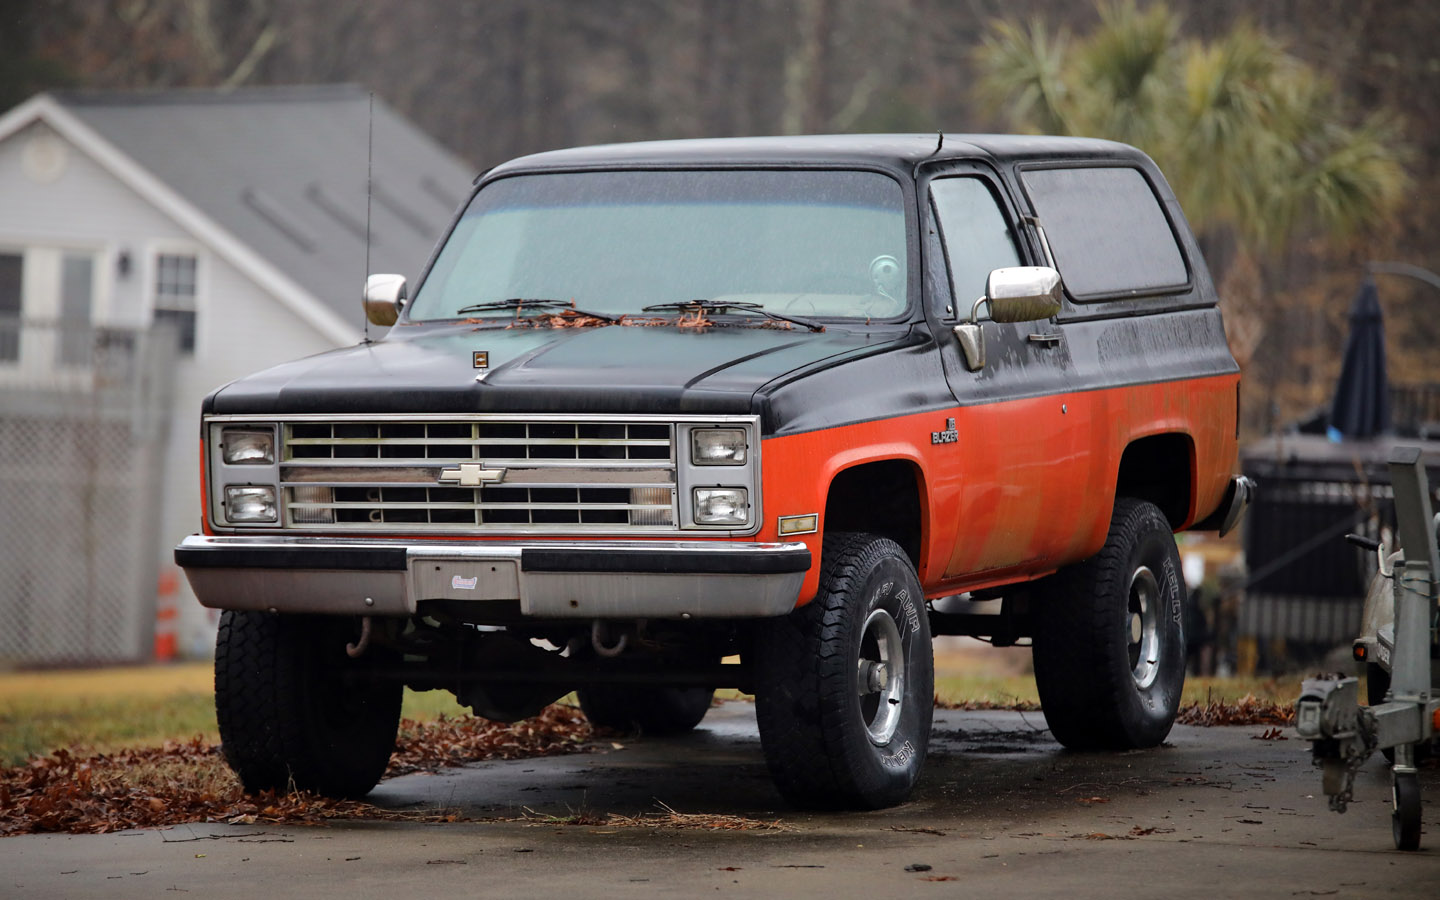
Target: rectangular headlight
[
  {"x": 722, "y": 506},
  {"x": 250, "y": 503},
  {"x": 718, "y": 446},
  {"x": 247, "y": 446}
]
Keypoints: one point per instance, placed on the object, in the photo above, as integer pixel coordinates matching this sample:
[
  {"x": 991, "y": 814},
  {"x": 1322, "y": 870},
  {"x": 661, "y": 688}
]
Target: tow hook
[
  {"x": 600, "y": 635},
  {"x": 355, "y": 651}
]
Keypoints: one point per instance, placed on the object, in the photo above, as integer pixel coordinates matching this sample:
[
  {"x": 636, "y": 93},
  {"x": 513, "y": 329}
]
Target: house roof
[{"x": 277, "y": 177}]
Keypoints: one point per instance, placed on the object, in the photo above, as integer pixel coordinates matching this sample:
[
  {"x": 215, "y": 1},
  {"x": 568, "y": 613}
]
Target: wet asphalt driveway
[{"x": 1001, "y": 811}]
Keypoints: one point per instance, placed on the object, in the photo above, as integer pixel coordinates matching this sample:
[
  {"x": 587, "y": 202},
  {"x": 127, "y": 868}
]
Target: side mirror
[
  {"x": 385, "y": 296},
  {"x": 1014, "y": 294}
]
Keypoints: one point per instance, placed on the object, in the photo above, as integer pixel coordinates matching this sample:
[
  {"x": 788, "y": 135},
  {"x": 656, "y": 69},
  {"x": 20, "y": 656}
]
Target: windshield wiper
[
  {"x": 518, "y": 303},
  {"x": 703, "y": 305}
]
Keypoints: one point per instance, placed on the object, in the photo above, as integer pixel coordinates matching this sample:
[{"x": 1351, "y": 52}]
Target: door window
[
  {"x": 975, "y": 236},
  {"x": 77, "y": 280}
]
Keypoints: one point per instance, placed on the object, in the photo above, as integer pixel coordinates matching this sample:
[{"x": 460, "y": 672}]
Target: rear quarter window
[{"x": 1108, "y": 232}]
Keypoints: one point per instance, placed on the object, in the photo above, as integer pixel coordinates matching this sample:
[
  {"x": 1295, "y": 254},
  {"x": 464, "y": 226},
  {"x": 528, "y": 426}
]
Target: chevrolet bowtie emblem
[{"x": 471, "y": 475}]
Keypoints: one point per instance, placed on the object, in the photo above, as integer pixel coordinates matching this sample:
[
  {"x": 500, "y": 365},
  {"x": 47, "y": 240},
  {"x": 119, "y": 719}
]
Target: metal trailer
[{"x": 1400, "y": 635}]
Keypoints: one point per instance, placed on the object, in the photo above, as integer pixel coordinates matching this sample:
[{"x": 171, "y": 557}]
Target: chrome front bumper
[{"x": 570, "y": 580}]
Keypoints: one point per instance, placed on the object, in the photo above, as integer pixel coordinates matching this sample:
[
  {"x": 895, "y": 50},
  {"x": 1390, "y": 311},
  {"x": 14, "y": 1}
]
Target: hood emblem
[
  {"x": 471, "y": 475},
  {"x": 482, "y": 362}
]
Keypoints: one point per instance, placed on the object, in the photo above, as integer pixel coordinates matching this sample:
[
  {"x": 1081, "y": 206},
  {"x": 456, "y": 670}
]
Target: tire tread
[{"x": 1083, "y": 692}]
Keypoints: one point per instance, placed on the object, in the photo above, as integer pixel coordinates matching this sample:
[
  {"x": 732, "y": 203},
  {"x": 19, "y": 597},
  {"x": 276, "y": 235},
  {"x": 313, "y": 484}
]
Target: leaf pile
[
  {"x": 190, "y": 782},
  {"x": 1248, "y": 710},
  {"x": 665, "y": 818},
  {"x": 454, "y": 742},
  {"x": 568, "y": 318},
  {"x": 1015, "y": 705}
]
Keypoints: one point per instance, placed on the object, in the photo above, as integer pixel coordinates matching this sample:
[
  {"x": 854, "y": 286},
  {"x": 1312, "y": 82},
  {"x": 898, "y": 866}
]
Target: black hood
[{"x": 613, "y": 369}]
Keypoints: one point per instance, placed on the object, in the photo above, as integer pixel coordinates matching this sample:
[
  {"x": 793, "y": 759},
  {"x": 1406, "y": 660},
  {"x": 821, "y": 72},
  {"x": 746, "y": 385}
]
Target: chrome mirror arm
[{"x": 972, "y": 339}]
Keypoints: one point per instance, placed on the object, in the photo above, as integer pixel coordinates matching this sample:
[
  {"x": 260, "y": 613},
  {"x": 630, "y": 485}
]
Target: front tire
[
  {"x": 845, "y": 685},
  {"x": 290, "y": 715},
  {"x": 1109, "y": 642}
]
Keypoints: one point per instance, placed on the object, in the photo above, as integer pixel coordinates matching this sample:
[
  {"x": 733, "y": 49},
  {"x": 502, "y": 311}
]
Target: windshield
[{"x": 817, "y": 244}]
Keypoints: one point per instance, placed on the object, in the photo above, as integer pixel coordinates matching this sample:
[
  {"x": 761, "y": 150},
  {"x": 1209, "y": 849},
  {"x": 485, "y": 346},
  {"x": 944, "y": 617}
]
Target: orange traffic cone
[{"x": 166, "y": 615}]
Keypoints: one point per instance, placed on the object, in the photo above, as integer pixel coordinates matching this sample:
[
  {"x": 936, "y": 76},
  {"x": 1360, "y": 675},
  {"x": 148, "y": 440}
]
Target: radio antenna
[{"x": 369, "y": 190}]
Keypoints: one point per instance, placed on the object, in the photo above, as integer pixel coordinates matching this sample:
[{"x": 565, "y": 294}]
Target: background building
[{"x": 153, "y": 246}]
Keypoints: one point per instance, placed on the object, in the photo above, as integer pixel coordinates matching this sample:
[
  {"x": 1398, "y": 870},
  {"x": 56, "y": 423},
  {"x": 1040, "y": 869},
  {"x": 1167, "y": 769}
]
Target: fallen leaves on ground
[
  {"x": 189, "y": 781},
  {"x": 455, "y": 741},
  {"x": 974, "y": 705},
  {"x": 664, "y": 818},
  {"x": 1248, "y": 710}
]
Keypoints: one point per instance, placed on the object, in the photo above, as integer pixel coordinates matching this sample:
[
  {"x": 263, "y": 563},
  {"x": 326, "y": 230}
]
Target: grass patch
[
  {"x": 1008, "y": 690},
  {"x": 103, "y": 710}
]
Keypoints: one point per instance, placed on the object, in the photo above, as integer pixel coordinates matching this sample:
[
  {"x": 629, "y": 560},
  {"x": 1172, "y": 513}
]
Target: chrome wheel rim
[
  {"x": 880, "y": 676},
  {"x": 1143, "y": 626}
]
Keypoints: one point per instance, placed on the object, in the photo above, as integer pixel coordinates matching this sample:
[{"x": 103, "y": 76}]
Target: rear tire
[
  {"x": 288, "y": 714},
  {"x": 845, "y": 687},
  {"x": 1109, "y": 643},
  {"x": 644, "y": 708}
]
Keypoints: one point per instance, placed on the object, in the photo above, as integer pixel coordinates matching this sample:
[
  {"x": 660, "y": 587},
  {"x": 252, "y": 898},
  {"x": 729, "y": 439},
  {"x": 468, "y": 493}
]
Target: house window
[
  {"x": 12, "y": 267},
  {"x": 175, "y": 296}
]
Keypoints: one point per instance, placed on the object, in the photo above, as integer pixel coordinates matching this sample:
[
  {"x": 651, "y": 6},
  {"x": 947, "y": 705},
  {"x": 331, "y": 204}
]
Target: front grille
[{"x": 491, "y": 474}]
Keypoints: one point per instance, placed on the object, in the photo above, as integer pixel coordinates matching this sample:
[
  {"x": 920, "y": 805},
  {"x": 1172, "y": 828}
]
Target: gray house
[{"x": 154, "y": 246}]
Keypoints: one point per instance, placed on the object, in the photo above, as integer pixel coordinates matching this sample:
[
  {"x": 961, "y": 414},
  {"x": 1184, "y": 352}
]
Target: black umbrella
[{"x": 1361, "y": 407}]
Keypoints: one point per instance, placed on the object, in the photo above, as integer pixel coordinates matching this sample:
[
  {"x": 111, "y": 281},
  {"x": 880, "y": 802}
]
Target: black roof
[{"x": 893, "y": 151}]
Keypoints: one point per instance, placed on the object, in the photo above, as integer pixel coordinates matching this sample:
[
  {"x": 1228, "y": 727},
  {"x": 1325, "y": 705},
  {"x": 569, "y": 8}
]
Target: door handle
[{"x": 1048, "y": 340}]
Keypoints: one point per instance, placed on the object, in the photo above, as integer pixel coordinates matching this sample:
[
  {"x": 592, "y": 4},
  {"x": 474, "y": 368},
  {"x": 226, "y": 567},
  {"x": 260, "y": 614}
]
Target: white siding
[{"x": 239, "y": 327}]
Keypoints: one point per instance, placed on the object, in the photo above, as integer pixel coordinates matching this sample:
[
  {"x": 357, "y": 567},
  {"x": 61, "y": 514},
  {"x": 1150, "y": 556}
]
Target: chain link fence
[{"x": 83, "y": 419}]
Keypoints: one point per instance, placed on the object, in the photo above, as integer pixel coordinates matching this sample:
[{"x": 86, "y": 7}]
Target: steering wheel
[{"x": 885, "y": 275}]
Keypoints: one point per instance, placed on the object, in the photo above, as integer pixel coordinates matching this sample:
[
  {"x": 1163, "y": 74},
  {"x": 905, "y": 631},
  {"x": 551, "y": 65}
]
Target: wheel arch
[
  {"x": 883, "y": 496},
  {"x": 1160, "y": 468}
]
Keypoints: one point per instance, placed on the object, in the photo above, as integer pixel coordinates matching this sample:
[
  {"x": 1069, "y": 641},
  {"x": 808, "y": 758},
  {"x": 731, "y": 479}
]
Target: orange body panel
[
  {"x": 1028, "y": 487},
  {"x": 204, "y": 491}
]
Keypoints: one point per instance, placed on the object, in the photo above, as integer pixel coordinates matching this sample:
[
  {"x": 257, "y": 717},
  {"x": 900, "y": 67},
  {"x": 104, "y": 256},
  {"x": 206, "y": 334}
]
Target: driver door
[{"x": 1017, "y": 439}]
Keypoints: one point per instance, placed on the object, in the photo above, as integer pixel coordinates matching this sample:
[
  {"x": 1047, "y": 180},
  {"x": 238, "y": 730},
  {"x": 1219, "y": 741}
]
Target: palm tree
[{"x": 1249, "y": 135}]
